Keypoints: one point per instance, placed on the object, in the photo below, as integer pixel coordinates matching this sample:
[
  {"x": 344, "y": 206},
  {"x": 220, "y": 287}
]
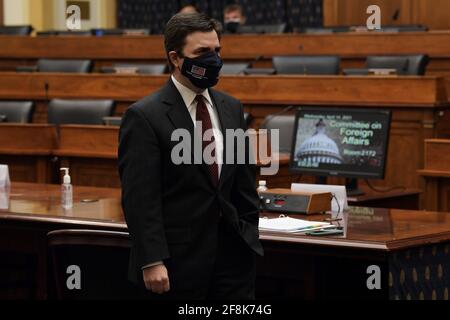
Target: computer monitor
[{"x": 346, "y": 142}]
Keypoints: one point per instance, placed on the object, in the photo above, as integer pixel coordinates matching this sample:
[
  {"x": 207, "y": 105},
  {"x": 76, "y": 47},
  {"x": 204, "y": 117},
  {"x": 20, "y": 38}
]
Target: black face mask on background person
[
  {"x": 232, "y": 26},
  {"x": 203, "y": 71}
]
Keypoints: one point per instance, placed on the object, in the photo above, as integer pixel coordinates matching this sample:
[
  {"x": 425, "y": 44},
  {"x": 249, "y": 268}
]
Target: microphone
[
  {"x": 258, "y": 58},
  {"x": 396, "y": 15},
  {"x": 46, "y": 88},
  {"x": 279, "y": 113}
]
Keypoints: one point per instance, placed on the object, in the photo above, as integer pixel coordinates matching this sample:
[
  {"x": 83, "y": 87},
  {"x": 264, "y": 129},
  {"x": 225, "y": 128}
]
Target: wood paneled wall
[
  {"x": 436, "y": 174},
  {"x": 435, "y": 14},
  {"x": 1, "y": 12}
]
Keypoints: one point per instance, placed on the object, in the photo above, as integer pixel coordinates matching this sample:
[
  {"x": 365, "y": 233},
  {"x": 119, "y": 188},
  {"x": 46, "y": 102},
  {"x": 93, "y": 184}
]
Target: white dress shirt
[
  {"x": 191, "y": 104},
  {"x": 189, "y": 100}
]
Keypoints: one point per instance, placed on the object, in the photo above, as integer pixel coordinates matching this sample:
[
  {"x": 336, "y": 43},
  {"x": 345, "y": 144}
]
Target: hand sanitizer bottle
[
  {"x": 66, "y": 190},
  {"x": 262, "y": 186}
]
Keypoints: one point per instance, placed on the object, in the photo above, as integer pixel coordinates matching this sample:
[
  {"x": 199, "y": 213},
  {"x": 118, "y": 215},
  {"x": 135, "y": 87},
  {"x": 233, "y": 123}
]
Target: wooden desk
[
  {"x": 336, "y": 268},
  {"x": 419, "y": 105},
  {"x": 352, "y": 47},
  {"x": 395, "y": 199},
  {"x": 33, "y": 210},
  {"x": 295, "y": 266},
  {"x": 27, "y": 149},
  {"x": 436, "y": 174}
]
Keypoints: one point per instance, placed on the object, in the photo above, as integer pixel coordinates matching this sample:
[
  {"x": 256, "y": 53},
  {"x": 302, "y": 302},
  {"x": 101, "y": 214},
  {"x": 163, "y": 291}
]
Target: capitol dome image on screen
[{"x": 318, "y": 148}]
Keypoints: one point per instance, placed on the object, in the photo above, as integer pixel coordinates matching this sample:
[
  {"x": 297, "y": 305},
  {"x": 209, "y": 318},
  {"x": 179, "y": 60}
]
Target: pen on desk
[
  {"x": 317, "y": 228},
  {"x": 312, "y": 227},
  {"x": 333, "y": 220}
]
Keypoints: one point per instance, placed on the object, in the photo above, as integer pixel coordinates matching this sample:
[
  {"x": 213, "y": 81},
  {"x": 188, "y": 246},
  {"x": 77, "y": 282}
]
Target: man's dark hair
[
  {"x": 233, "y": 7},
  {"x": 183, "y": 24}
]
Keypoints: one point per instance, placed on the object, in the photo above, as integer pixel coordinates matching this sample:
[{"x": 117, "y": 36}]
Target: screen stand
[{"x": 352, "y": 188}]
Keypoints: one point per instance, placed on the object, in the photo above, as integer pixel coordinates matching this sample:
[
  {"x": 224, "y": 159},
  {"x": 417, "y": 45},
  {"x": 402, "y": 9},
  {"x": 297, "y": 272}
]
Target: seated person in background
[
  {"x": 233, "y": 17},
  {"x": 188, "y": 9}
]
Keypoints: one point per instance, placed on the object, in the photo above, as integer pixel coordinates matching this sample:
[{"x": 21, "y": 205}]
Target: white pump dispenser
[{"x": 66, "y": 190}]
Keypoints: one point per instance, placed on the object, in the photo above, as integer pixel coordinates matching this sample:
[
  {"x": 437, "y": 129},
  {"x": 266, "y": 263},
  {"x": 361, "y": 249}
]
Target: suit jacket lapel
[
  {"x": 177, "y": 113},
  {"x": 181, "y": 119}
]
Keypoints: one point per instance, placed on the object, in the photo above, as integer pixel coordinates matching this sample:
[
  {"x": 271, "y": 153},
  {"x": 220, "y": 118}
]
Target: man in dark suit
[{"x": 194, "y": 227}]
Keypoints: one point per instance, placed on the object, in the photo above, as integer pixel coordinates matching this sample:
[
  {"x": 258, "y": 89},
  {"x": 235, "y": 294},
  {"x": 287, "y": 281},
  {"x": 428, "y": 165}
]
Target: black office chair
[
  {"x": 112, "y": 121},
  {"x": 285, "y": 125},
  {"x": 314, "y": 65},
  {"x": 355, "y": 72},
  {"x": 17, "y": 111},
  {"x": 389, "y": 29},
  {"x": 74, "y": 33},
  {"x": 260, "y": 71},
  {"x": 263, "y": 28},
  {"x": 47, "y": 33},
  {"x": 317, "y": 31},
  {"x": 25, "y": 30},
  {"x": 136, "y": 32},
  {"x": 99, "y": 32},
  {"x": 234, "y": 68},
  {"x": 405, "y": 65},
  {"x": 413, "y": 28},
  {"x": 101, "y": 257},
  {"x": 90, "y": 112},
  {"x": 156, "y": 68},
  {"x": 367, "y": 72},
  {"x": 63, "y": 33},
  {"x": 326, "y": 30},
  {"x": 405, "y": 28},
  {"x": 32, "y": 68},
  {"x": 107, "y": 32},
  {"x": 66, "y": 66}
]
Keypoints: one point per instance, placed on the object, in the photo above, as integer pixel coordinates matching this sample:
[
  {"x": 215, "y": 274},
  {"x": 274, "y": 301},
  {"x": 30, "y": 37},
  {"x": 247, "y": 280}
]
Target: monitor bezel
[{"x": 315, "y": 172}]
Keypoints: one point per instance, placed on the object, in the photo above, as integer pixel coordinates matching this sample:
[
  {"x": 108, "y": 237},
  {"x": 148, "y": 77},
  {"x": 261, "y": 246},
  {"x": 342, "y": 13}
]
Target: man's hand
[{"x": 156, "y": 279}]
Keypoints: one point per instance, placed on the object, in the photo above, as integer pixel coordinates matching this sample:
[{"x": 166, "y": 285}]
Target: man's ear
[{"x": 173, "y": 56}]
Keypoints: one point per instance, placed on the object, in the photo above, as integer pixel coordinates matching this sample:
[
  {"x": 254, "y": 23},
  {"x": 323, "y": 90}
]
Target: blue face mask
[{"x": 203, "y": 71}]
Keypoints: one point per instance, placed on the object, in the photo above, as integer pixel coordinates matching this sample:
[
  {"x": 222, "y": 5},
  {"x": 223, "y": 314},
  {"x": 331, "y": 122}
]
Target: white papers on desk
[
  {"x": 4, "y": 198},
  {"x": 4, "y": 176},
  {"x": 287, "y": 224}
]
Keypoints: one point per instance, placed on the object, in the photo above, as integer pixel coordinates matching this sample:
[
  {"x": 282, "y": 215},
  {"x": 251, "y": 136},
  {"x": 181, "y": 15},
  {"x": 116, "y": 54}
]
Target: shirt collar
[{"x": 188, "y": 95}]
